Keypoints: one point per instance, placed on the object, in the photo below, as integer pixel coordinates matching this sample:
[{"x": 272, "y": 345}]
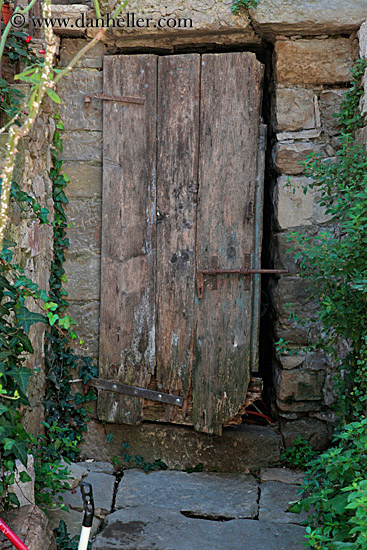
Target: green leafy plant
[
  {"x": 63, "y": 539},
  {"x": 138, "y": 461},
  {"x": 334, "y": 261},
  {"x": 245, "y": 4},
  {"x": 335, "y": 491},
  {"x": 299, "y": 455}
]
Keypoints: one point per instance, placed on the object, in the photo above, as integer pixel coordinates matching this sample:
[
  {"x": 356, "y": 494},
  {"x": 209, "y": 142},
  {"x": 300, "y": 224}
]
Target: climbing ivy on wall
[
  {"x": 66, "y": 412},
  {"x": 61, "y": 404}
]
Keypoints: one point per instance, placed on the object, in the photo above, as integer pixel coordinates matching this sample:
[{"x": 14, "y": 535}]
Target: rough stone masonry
[{"x": 314, "y": 45}]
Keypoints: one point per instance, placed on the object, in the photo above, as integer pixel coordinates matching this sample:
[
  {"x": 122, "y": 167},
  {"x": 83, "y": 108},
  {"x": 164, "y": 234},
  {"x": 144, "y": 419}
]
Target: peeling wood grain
[
  {"x": 229, "y": 123},
  {"x": 177, "y": 164},
  {"x": 127, "y": 342}
]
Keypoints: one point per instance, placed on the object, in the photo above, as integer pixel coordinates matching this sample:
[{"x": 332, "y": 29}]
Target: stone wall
[
  {"x": 35, "y": 242},
  {"x": 315, "y": 44},
  {"x": 310, "y": 79}
]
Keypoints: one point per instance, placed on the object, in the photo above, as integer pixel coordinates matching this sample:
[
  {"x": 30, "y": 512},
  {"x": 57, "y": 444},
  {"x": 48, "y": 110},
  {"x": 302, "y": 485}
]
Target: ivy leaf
[
  {"x": 20, "y": 451},
  {"x": 53, "y": 95},
  {"x": 21, "y": 376},
  {"x": 13, "y": 499},
  {"x": 27, "y": 318},
  {"x": 24, "y": 477}
]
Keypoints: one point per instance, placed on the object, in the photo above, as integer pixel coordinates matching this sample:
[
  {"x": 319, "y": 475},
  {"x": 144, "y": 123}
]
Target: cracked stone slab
[
  {"x": 208, "y": 495},
  {"x": 103, "y": 488},
  {"x": 73, "y": 520},
  {"x": 97, "y": 466},
  {"x": 283, "y": 475},
  {"x": 164, "y": 529},
  {"x": 274, "y": 502}
]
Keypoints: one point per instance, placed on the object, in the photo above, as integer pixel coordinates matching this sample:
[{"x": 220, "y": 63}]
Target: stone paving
[{"x": 173, "y": 510}]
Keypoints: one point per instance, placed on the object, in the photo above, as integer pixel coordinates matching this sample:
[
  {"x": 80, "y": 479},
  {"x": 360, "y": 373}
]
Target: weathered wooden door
[{"x": 180, "y": 168}]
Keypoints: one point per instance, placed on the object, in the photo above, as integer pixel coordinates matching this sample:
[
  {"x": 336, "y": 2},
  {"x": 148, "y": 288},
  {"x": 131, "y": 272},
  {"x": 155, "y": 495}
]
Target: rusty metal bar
[
  {"x": 244, "y": 271},
  {"x": 240, "y": 271},
  {"x": 120, "y": 99},
  {"x": 152, "y": 395}
]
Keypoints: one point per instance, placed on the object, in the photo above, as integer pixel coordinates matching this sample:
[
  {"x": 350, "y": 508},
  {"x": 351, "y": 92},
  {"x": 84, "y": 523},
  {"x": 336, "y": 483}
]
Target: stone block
[
  {"x": 294, "y": 208},
  {"x": 31, "y": 525},
  {"x": 283, "y": 249},
  {"x": 73, "y": 520},
  {"x": 330, "y": 102},
  {"x": 83, "y": 273},
  {"x": 100, "y": 467},
  {"x": 314, "y": 62},
  {"x": 316, "y": 360},
  {"x": 202, "y": 495},
  {"x": 275, "y": 499},
  {"x": 361, "y": 137},
  {"x": 103, "y": 491},
  {"x": 239, "y": 449},
  {"x": 293, "y": 295},
  {"x": 82, "y": 145},
  {"x": 85, "y": 179},
  {"x": 295, "y": 109},
  {"x": 84, "y": 216},
  {"x": 298, "y": 385},
  {"x": 163, "y": 529},
  {"x": 71, "y": 46},
  {"x": 289, "y": 155},
  {"x": 309, "y": 17},
  {"x": 86, "y": 316},
  {"x": 282, "y": 475},
  {"x": 24, "y": 490},
  {"x": 76, "y": 472},
  {"x": 362, "y": 35},
  {"x": 190, "y": 17},
  {"x": 72, "y": 13},
  {"x": 73, "y": 89},
  {"x": 316, "y": 432}
]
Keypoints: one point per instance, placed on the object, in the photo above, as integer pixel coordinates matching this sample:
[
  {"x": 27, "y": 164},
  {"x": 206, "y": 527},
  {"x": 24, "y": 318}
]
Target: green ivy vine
[
  {"x": 23, "y": 304},
  {"x": 245, "y": 4},
  {"x": 61, "y": 405}
]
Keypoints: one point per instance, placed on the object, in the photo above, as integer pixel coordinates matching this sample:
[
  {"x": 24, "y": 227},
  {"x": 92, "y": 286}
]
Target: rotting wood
[
  {"x": 127, "y": 343},
  {"x": 155, "y": 333},
  {"x": 229, "y": 126},
  {"x": 254, "y": 393},
  {"x": 177, "y": 164}
]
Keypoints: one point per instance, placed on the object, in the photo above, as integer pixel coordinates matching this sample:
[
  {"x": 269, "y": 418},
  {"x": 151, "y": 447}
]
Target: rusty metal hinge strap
[
  {"x": 135, "y": 391},
  {"x": 119, "y": 99},
  {"x": 214, "y": 272}
]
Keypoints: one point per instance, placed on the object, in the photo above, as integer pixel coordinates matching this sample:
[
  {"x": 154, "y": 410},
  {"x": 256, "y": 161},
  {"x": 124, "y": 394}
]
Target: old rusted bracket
[
  {"x": 120, "y": 99},
  {"x": 152, "y": 395},
  {"x": 244, "y": 271}
]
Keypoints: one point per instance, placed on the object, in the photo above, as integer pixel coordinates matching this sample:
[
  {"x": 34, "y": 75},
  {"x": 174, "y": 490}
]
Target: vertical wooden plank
[
  {"x": 229, "y": 122},
  {"x": 127, "y": 335},
  {"x": 177, "y": 162}
]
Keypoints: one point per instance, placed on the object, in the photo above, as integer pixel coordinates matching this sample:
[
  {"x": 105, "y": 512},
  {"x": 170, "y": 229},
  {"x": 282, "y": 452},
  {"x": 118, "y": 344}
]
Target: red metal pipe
[{"x": 12, "y": 536}]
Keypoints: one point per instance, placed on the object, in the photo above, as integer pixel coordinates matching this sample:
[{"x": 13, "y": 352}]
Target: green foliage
[
  {"x": 16, "y": 50},
  {"x": 61, "y": 405},
  {"x": 66, "y": 413},
  {"x": 335, "y": 490},
  {"x": 138, "y": 461},
  {"x": 63, "y": 539},
  {"x": 335, "y": 263},
  {"x": 245, "y": 4},
  {"x": 299, "y": 455},
  {"x": 51, "y": 470}
]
